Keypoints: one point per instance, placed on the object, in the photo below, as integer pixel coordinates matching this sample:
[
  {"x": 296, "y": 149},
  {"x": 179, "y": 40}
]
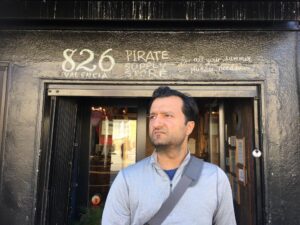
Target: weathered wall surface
[
  {"x": 151, "y": 56},
  {"x": 19, "y": 149}
]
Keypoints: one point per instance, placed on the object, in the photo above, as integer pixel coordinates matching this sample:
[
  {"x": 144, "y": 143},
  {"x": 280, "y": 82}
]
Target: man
[{"x": 139, "y": 190}]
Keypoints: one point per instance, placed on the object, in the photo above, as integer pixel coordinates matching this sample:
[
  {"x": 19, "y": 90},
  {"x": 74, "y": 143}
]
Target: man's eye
[
  {"x": 167, "y": 115},
  {"x": 151, "y": 117}
]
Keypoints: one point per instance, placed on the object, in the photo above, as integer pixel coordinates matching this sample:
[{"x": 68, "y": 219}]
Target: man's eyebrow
[{"x": 166, "y": 112}]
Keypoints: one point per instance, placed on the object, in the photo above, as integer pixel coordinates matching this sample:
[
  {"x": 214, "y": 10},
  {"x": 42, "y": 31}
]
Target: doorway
[{"x": 109, "y": 133}]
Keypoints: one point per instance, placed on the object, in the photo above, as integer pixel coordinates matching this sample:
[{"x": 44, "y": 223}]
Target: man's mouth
[{"x": 158, "y": 132}]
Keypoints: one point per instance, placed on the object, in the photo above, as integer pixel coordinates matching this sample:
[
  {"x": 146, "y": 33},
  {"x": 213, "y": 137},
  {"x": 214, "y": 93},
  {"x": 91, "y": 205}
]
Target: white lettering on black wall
[
  {"x": 86, "y": 66},
  {"x": 149, "y": 64},
  {"x": 140, "y": 63}
]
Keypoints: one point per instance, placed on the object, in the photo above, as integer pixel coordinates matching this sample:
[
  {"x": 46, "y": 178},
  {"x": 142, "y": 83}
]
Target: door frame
[{"x": 241, "y": 89}]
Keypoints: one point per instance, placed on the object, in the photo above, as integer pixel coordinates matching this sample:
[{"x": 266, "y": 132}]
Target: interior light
[{"x": 97, "y": 109}]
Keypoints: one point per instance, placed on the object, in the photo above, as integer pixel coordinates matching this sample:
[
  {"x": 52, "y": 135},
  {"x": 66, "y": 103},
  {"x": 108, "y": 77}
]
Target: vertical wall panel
[{"x": 3, "y": 94}]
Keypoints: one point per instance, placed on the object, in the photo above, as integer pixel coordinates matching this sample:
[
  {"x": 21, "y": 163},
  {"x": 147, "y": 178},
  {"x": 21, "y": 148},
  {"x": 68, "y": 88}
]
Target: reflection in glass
[
  {"x": 214, "y": 136},
  {"x": 112, "y": 147}
]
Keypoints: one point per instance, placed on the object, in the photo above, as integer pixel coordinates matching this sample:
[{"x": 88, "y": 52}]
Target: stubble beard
[
  {"x": 158, "y": 147},
  {"x": 165, "y": 147},
  {"x": 161, "y": 147}
]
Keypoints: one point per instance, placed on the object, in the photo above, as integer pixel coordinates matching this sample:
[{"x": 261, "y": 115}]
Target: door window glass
[{"x": 112, "y": 147}]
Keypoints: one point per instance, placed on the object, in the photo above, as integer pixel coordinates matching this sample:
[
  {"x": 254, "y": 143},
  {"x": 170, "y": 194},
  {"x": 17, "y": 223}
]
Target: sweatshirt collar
[{"x": 154, "y": 161}]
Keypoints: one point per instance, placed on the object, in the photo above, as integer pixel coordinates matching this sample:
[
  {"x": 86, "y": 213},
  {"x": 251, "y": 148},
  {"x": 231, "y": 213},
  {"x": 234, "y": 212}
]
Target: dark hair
[{"x": 189, "y": 107}]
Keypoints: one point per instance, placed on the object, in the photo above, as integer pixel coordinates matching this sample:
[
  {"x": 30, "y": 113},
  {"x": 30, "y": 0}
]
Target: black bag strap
[{"x": 190, "y": 175}]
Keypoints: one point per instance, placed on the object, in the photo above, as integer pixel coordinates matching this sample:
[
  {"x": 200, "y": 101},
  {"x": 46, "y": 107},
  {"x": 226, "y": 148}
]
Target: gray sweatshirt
[{"x": 139, "y": 190}]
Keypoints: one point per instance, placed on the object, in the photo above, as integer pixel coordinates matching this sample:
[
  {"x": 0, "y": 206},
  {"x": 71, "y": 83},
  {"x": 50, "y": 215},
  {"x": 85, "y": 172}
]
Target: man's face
[{"x": 167, "y": 123}]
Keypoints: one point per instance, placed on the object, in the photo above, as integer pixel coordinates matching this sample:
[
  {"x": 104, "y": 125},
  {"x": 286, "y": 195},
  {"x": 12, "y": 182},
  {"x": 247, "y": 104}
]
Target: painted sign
[
  {"x": 87, "y": 67},
  {"x": 146, "y": 64}
]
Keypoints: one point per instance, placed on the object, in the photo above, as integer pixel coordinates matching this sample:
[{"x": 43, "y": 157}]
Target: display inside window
[
  {"x": 112, "y": 147},
  {"x": 204, "y": 141}
]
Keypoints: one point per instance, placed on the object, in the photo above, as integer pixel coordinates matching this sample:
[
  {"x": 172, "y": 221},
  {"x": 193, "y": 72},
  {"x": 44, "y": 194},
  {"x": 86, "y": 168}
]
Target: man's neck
[{"x": 172, "y": 158}]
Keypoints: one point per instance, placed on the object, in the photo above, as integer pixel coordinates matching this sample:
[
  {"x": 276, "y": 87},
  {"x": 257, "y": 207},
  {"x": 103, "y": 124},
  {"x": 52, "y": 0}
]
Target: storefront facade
[{"x": 74, "y": 112}]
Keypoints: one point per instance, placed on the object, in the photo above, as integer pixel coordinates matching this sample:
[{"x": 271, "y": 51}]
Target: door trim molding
[
  {"x": 227, "y": 89},
  {"x": 138, "y": 90}
]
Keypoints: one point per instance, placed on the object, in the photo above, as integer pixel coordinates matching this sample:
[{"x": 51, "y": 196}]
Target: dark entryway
[{"x": 91, "y": 138}]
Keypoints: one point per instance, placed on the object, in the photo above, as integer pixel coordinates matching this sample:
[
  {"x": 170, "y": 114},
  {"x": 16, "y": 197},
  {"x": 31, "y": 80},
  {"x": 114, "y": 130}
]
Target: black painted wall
[
  {"x": 36, "y": 56},
  {"x": 150, "y": 10}
]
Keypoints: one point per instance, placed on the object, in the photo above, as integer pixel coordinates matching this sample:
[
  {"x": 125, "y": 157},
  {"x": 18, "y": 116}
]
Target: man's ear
[{"x": 190, "y": 127}]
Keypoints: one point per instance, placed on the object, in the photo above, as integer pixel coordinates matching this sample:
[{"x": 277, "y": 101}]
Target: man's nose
[{"x": 157, "y": 121}]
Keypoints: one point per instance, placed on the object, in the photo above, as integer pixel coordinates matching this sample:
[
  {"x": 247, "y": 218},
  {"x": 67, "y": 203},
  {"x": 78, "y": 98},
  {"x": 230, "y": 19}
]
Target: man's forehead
[{"x": 165, "y": 103}]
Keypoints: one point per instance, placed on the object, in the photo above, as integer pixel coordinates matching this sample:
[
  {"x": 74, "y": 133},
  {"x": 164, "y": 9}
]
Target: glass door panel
[
  {"x": 112, "y": 147},
  {"x": 204, "y": 141}
]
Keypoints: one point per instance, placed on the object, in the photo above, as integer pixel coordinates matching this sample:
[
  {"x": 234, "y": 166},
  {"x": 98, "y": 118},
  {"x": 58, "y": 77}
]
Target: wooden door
[{"x": 239, "y": 166}]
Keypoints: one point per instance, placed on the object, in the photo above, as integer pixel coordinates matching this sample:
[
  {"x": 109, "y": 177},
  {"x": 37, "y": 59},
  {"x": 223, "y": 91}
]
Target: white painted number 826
[{"x": 69, "y": 64}]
